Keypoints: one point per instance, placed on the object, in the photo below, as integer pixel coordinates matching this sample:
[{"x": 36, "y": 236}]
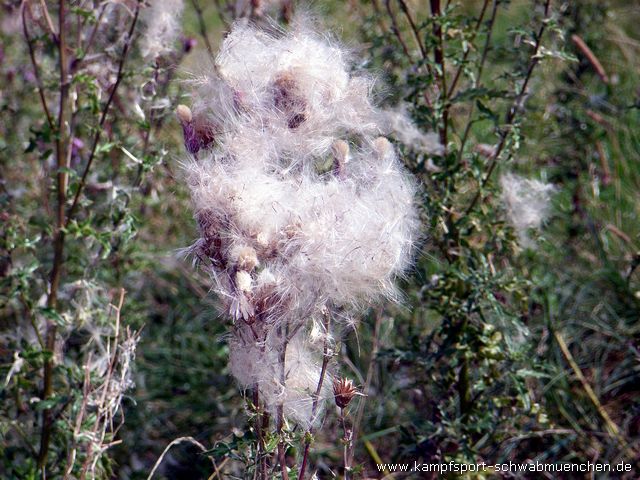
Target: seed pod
[
  {"x": 198, "y": 133},
  {"x": 287, "y": 99},
  {"x": 247, "y": 259},
  {"x": 340, "y": 151},
  {"x": 382, "y": 147}
]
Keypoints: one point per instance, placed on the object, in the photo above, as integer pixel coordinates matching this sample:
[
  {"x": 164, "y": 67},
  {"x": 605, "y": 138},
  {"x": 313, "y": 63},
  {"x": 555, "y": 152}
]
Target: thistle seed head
[
  {"x": 286, "y": 244},
  {"x": 343, "y": 391}
]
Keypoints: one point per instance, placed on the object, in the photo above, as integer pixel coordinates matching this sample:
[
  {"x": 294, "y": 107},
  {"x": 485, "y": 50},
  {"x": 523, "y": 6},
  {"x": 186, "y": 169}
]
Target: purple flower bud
[
  {"x": 188, "y": 44},
  {"x": 29, "y": 76},
  {"x": 76, "y": 144}
]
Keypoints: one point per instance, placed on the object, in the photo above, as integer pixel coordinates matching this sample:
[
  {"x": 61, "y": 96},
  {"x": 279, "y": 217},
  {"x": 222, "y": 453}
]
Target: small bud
[
  {"x": 188, "y": 44},
  {"x": 340, "y": 151},
  {"x": 76, "y": 146},
  {"x": 184, "y": 114},
  {"x": 198, "y": 133},
  {"x": 382, "y": 146},
  {"x": 343, "y": 391}
]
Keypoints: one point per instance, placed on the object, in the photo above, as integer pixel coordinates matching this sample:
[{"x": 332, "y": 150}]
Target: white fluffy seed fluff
[
  {"x": 162, "y": 27},
  {"x": 527, "y": 203},
  {"x": 302, "y": 208},
  {"x": 398, "y": 123}
]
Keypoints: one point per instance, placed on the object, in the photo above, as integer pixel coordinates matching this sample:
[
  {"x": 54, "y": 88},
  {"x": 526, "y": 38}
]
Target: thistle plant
[
  {"x": 305, "y": 213},
  {"x": 96, "y": 98}
]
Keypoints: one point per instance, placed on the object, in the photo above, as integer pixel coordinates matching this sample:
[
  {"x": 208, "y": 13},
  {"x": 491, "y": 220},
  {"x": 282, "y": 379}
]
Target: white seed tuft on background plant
[
  {"x": 527, "y": 202},
  {"x": 162, "y": 27},
  {"x": 304, "y": 210},
  {"x": 398, "y": 123}
]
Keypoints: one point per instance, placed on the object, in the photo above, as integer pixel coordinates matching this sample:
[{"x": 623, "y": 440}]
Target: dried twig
[
  {"x": 106, "y": 385},
  {"x": 591, "y": 57},
  {"x": 177, "y": 441},
  {"x": 613, "y": 429}
]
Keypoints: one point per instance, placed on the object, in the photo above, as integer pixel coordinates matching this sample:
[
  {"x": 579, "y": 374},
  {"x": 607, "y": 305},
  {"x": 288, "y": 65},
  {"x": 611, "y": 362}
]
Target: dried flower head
[{"x": 343, "y": 392}]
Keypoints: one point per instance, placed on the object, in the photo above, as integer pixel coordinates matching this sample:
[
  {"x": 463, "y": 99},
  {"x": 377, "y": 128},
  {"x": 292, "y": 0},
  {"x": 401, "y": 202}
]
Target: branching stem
[
  {"x": 316, "y": 398},
  {"x": 515, "y": 107}
]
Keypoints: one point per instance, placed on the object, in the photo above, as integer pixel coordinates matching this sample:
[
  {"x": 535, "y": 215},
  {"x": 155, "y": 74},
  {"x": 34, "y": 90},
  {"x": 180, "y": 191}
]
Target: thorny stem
[
  {"x": 282, "y": 460},
  {"x": 464, "y": 394},
  {"x": 347, "y": 440},
  {"x": 220, "y": 10},
  {"x": 94, "y": 31},
  {"x": 29, "y": 314},
  {"x": 62, "y": 163},
  {"x": 378, "y": 14},
  {"x": 515, "y": 107},
  {"x": 316, "y": 398},
  {"x": 47, "y": 17},
  {"x": 414, "y": 28},
  {"x": 436, "y": 11},
  {"x": 265, "y": 458},
  {"x": 261, "y": 461},
  {"x": 396, "y": 31},
  {"x": 202, "y": 25},
  {"x": 282, "y": 356},
  {"x": 476, "y": 84},
  {"x": 58, "y": 245}
]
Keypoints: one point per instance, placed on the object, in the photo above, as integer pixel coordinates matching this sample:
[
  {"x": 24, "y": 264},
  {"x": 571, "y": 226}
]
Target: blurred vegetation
[{"x": 499, "y": 352}]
